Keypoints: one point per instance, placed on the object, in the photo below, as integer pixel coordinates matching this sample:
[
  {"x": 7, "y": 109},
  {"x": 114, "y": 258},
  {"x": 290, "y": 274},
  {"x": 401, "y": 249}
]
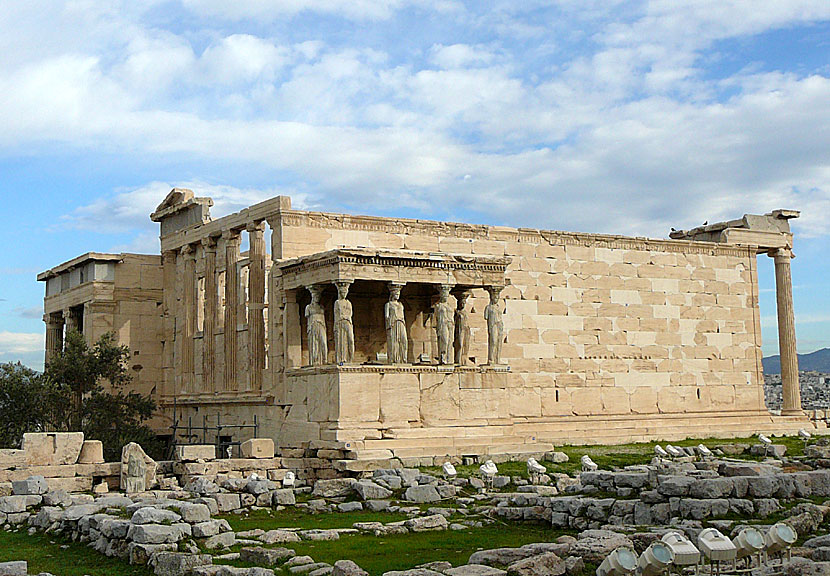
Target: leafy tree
[
  {"x": 70, "y": 396},
  {"x": 29, "y": 402},
  {"x": 117, "y": 419},
  {"x": 80, "y": 370}
]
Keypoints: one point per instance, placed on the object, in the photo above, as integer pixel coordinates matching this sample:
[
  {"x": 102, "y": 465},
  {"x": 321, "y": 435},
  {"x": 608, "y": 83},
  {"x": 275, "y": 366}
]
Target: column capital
[
  {"x": 209, "y": 243},
  {"x": 188, "y": 250},
  {"x": 782, "y": 254},
  {"x": 231, "y": 235},
  {"x": 495, "y": 291},
  {"x": 66, "y": 313},
  {"x": 53, "y": 319},
  {"x": 256, "y": 226}
]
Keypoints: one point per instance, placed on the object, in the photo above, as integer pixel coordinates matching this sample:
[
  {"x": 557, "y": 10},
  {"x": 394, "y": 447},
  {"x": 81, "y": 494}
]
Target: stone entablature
[
  {"x": 350, "y": 264},
  {"x": 500, "y": 234},
  {"x": 768, "y": 232}
]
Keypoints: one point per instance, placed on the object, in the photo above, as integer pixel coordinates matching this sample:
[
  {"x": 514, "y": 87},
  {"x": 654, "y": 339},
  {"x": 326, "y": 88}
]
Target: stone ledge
[{"x": 393, "y": 368}]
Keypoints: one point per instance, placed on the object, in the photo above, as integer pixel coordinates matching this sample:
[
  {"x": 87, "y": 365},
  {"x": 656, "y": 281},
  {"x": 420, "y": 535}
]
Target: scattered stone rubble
[{"x": 175, "y": 530}]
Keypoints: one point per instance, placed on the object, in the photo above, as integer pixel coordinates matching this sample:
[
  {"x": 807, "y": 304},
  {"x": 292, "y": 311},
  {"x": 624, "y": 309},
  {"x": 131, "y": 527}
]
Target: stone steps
[{"x": 543, "y": 434}]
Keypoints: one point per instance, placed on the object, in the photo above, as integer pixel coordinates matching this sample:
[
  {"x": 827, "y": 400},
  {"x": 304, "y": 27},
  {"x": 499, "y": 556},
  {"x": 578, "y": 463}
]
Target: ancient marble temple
[{"x": 392, "y": 337}]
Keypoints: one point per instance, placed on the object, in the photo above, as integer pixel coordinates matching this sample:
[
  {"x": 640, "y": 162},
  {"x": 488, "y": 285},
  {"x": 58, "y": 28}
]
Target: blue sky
[{"x": 620, "y": 117}]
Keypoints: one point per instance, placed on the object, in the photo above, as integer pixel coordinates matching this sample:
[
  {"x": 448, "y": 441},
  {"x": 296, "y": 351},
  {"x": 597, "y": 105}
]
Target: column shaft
[
  {"x": 292, "y": 335},
  {"x": 209, "y": 329},
  {"x": 54, "y": 336},
  {"x": 168, "y": 259},
  {"x": 273, "y": 336},
  {"x": 791, "y": 390},
  {"x": 256, "y": 305},
  {"x": 189, "y": 305},
  {"x": 231, "y": 297},
  {"x": 69, "y": 320}
]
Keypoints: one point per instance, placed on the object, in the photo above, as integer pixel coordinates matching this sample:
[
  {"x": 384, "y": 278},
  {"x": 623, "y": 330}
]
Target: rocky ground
[{"x": 178, "y": 532}]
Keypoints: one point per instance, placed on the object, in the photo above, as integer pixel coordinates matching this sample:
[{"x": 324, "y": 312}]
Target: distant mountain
[{"x": 818, "y": 361}]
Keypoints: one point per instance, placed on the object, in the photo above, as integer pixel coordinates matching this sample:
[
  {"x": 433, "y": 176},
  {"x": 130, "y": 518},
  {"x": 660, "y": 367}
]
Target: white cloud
[
  {"x": 629, "y": 124},
  {"x": 241, "y": 58},
  {"x": 128, "y": 211},
  {"x": 273, "y": 9},
  {"x": 32, "y": 312},
  {"x": 12, "y": 343},
  {"x": 459, "y": 55}
]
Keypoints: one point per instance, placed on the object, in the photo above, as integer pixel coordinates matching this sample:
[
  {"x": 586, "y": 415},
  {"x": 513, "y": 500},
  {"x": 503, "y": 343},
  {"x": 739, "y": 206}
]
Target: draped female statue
[
  {"x": 317, "y": 341},
  {"x": 463, "y": 334},
  {"x": 343, "y": 327},
  {"x": 396, "y": 341},
  {"x": 444, "y": 326},
  {"x": 495, "y": 326}
]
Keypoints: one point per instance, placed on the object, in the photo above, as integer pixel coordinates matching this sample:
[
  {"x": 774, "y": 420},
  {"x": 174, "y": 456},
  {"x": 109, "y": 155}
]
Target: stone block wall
[
  {"x": 607, "y": 339},
  {"x": 68, "y": 462}
]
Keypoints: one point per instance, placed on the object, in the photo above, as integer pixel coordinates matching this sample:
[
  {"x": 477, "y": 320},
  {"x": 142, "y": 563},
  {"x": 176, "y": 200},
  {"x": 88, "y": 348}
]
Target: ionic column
[
  {"x": 256, "y": 303},
  {"x": 274, "y": 336},
  {"x": 292, "y": 335},
  {"x": 232, "y": 240},
  {"x": 70, "y": 321},
  {"x": 189, "y": 305},
  {"x": 790, "y": 388},
  {"x": 209, "y": 330},
  {"x": 54, "y": 336},
  {"x": 168, "y": 261}
]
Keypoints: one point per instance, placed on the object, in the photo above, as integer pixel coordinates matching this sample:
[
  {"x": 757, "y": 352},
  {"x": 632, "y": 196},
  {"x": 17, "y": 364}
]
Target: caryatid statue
[
  {"x": 396, "y": 341},
  {"x": 444, "y": 325},
  {"x": 317, "y": 341},
  {"x": 463, "y": 334},
  {"x": 495, "y": 326},
  {"x": 343, "y": 327}
]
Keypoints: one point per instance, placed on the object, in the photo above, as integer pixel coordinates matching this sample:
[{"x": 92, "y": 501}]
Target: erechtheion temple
[{"x": 388, "y": 337}]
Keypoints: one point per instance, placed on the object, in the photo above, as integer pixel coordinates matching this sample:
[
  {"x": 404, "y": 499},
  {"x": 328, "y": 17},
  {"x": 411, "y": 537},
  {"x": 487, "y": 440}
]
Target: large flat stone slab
[{"x": 52, "y": 448}]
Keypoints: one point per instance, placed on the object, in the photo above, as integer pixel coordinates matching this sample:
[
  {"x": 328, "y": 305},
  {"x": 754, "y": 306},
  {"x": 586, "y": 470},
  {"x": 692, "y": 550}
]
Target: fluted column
[
  {"x": 209, "y": 330},
  {"x": 70, "y": 321},
  {"x": 54, "y": 336},
  {"x": 168, "y": 261},
  {"x": 232, "y": 240},
  {"x": 790, "y": 388},
  {"x": 256, "y": 303},
  {"x": 292, "y": 334},
  {"x": 189, "y": 305}
]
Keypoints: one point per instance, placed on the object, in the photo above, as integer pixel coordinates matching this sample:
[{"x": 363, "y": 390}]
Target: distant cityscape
[{"x": 815, "y": 390}]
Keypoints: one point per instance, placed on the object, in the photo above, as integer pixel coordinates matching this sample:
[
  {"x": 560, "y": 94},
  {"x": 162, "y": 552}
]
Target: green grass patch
[
  {"x": 622, "y": 455},
  {"x": 45, "y": 553},
  {"x": 379, "y": 554},
  {"x": 298, "y": 518}
]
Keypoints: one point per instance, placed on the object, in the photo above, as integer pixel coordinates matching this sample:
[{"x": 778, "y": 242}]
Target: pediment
[{"x": 175, "y": 197}]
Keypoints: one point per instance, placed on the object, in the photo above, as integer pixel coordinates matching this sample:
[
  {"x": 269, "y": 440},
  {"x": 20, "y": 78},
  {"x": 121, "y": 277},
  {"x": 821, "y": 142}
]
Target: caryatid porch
[{"x": 362, "y": 306}]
